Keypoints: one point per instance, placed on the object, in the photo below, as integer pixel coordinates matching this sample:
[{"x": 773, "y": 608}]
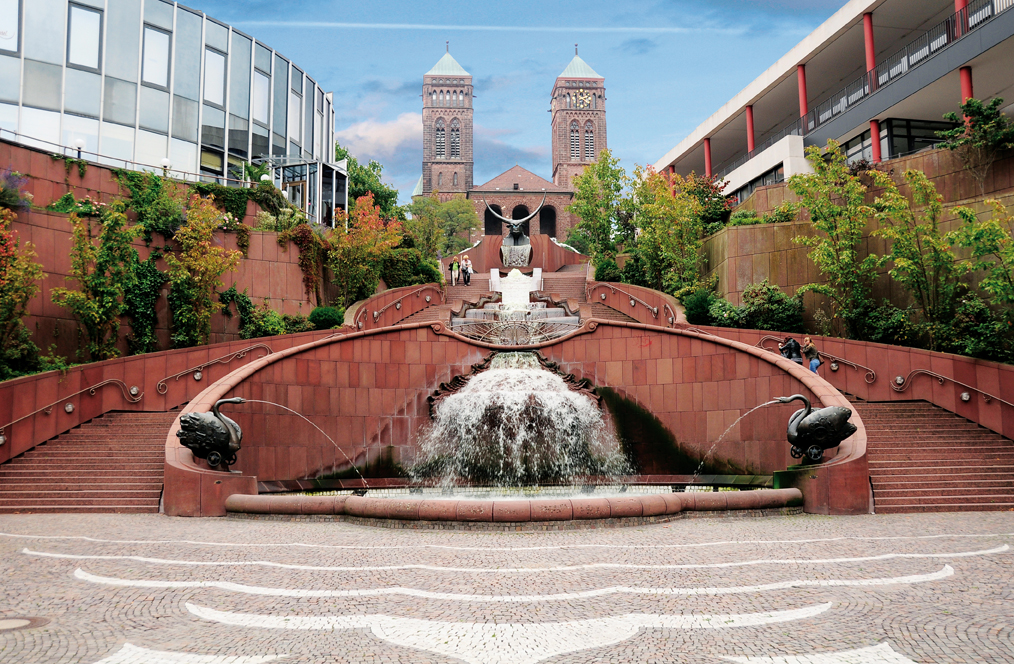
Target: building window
[
  {"x": 295, "y": 116},
  {"x": 261, "y": 98},
  {"x": 589, "y": 141},
  {"x": 440, "y": 139},
  {"x": 10, "y": 26},
  {"x": 440, "y": 179},
  {"x": 575, "y": 141},
  {"x": 84, "y": 38},
  {"x": 155, "y": 61},
  {"x": 455, "y": 139},
  {"x": 214, "y": 77},
  {"x": 455, "y": 179}
]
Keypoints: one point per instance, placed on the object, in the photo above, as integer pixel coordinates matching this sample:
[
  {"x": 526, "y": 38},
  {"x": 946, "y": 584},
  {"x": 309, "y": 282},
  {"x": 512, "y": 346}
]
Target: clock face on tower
[{"x": 583, "y": 99}]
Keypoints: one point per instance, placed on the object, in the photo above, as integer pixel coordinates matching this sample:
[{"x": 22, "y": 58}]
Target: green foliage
[
  {"x": 254, "y": 172},
  {"x": 724, "y": 313},
  {"x": 408, "y": 267},
  {"x": 141, "y": 304},
  {"x": 437, "y": 228},
  {"x": 286, "y": 220},
  {"x": 600, "y": 205},
  {"x": 19, "y": 282},
  {"x": 887, "y": 324},
  {"x": 978, "y": 331},
  {"x": 923, "y": 262},
  {"x": 67, "y": 204},
  {"x": 313, "y": 249},
  {"x": 356, "y": 254},
  {"x": 160, "y": 203},
  {"x": 766, "y": 307},
  {"x": 264, "y": 322},
  {"x": 70, "y": 162},
  {"x": 364, "y": 180},
  {"x": 697, "y": 306},
  {"x": 633, "y": 270},
  {"x": 983, "y": 132},
  {"x": 707, "y": 189},
  {"x": 579, "y": 240},
  {"x": 607, "y": 270},
  {"x": 103, "y": 274},
  {"x": 835, "y": 199},
  {"x": 231, "y": 199},
  {"x": 326, "y": 318},
  {"x": 992, "y": 245},
  {"x": 745, "y": 218}
]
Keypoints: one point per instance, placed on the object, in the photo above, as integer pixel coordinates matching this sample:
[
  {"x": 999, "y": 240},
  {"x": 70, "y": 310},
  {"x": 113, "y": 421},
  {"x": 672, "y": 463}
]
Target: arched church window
[
  {"x": 589, "y": 141},
  {"x": 455, "y": 139},
  {"x": 595, "y": 102},
  {"x": 575, "y": 141},
  {"x": 434, "y": 97},
  {"x": 455, "y": 179},
  {"x": 440, "y": 139},
  {"x": 440, "y": 179},
  {"x": 441, "y": 98}
]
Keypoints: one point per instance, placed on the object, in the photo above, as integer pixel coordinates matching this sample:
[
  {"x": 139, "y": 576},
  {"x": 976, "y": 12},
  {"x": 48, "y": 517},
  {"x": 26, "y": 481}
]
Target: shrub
[
  {"x": 11, "y": 195},
  {"x": 19, "y": 282},
  {"x": 887, "y": 324},
  {"x": 766, "y": 307},
  {"x": 783, "y": 213},
  {"x": 407, "y": 267},
  {"x": 697, "y": 305},
  {"x": 607, "y": 270},
  {"x": 978, "y": 331},
  {"x": 160, "y": 203},
  {"x": 68, "y": 204},
  {"x": 745, "y": 218},
  {"x": 724, "y": 314},
  {"x": 326, "y": 318},
  {"x": 633, "y": 271}
]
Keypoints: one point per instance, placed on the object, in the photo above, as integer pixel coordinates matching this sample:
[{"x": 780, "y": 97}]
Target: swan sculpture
[
  {"x": 212, "y": 436},
  {"x": 811, "y": 432}
]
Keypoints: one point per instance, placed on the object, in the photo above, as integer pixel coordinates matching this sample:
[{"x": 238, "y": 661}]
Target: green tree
[
  {"x": 441, "y": 227},
  {"x": 600, "y": 205},
  {"x": 835, "y": 199},
  {"x": 670, "y": 241},
  {"x": 103, "y": 272},
  {"x": 992, "y": 245},
  {"x": 923, "y": 260},
  {"x": 983, "y": 134},
  {"x": 195, "y": 272},
  {"x": 19, "y": 283},
  {"x": 367, "y": 179},
  {"x": 707, "y": 189}
]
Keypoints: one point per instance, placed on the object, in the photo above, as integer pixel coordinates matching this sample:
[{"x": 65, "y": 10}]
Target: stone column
[
  {"x": 801, "y": 76},
  {"x": 707, "y": 157},
  {"x": 751, "y": 144},
  {"x": 966, "y": 84},
  {"x": 875, "y": 140}
]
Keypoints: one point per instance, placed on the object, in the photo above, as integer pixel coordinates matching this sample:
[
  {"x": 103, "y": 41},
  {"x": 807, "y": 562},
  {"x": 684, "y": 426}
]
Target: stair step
[
  {"x": 1002, "y": 499},
  {"x": 955, "y": 492},
  {"x": 70, "y": 499},
  {"x": 909, "y": 508},
  {"x": 79, "y": 509},
  {"x": 125, "y": 496}
]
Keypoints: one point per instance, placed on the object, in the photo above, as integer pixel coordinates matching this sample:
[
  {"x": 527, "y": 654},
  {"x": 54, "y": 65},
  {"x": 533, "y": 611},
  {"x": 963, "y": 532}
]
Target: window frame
[
  {"x": 225, "y": 78},
  {"x": 20, "y": 18},
  {"x": 71, "y": 6},
  {"x": 253, "y": 98},
  {"x": 169, "y": 57}
]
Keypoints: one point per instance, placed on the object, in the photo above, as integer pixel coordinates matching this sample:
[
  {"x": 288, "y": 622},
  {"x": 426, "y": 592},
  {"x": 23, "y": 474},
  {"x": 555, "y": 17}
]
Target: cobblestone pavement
[{"x": 133, "y": 589}]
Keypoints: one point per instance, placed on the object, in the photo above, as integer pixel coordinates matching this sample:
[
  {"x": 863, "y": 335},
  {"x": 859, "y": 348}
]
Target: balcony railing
[{"x": 890, "y": 69}]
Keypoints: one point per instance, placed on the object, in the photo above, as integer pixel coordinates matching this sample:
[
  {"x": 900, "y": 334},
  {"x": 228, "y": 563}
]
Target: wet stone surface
[{"x": 888, "y": 589}]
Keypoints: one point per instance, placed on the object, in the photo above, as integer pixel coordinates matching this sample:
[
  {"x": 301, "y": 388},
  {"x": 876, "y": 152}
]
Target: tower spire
[
  {"x": 448, "y": 42},
  {"x": 575, "y": 49}
]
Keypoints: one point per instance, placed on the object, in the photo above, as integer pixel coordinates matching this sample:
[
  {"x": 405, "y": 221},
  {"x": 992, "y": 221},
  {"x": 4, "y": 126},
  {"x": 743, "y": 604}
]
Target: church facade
[{"x": 578, "y": 134}]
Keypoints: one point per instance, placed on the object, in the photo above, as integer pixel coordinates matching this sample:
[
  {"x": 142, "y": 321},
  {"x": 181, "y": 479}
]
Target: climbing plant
[
  {"x": 102, "y": 263},
  {"x": 141, "y": 300},
  {"x": 313, "y": 252},
  {"x": 19, "y": 282},
  {"x": 195, "y": 273},
  {"x": 160, "y": 203}
]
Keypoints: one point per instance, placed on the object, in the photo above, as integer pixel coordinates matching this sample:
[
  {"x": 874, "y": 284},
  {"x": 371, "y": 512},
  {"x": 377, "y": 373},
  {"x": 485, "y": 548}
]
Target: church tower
[
  {"x": 447, "y": 128},
  {"x": 579, "y": 120}
]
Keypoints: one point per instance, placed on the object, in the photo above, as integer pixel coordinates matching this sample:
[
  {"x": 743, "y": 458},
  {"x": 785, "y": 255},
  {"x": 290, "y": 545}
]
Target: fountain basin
[{"x": 439, "y": 512}]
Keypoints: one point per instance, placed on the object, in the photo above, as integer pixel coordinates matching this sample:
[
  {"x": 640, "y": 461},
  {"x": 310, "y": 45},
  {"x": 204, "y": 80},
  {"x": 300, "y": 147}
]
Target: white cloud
[{"x": 372, "y": 139}]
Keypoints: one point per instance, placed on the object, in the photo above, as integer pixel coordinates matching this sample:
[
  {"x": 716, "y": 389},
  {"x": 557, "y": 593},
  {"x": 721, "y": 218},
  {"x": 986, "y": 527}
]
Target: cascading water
[{"x": 518, "y": 425}]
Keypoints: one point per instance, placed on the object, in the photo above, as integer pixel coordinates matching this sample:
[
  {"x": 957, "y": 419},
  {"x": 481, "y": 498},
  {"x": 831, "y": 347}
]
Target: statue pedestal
[{"x": 517, "y": 256}]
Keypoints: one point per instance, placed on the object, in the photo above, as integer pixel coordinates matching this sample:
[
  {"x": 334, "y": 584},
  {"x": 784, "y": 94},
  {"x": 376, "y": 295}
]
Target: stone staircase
[
  {"x": 926, "y": 459},
  {"x": 604, "y": 312},
  {"x": 114, "y": 463}
]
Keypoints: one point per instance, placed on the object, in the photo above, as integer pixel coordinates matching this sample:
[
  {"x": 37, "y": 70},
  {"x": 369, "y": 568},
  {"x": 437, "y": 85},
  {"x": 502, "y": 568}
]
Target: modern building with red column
[{"x": 878, "y": 72}]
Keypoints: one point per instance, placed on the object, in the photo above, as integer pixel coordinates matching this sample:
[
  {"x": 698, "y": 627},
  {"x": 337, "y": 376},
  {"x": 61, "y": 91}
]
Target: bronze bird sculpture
[
  {"x": 212, "y": 436},
  {"x": 811, "y": 432}
]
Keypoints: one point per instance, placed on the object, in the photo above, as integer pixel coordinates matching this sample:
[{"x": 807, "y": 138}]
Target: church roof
[
  {"x": 418, "y": 191},
  {"x": 525, "y": 179},
  {"x": 447, "y": 66},
  {"x": 578, "y": 68}
]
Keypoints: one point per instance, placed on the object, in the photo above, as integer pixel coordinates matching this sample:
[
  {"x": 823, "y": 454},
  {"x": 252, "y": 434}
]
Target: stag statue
[
  {"x": 212, "y": 436},
  {"x": 811, "y": 432},
  {"x": 516, "y": 250}
]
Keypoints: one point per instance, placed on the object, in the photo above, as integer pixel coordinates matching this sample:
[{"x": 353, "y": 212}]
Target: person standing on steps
[
  {"x": 811, "y": 353},
  {"x": 454, "y": 271},
  {"x": 790, "y": 349},
  {"x": 466, "y": 270}
]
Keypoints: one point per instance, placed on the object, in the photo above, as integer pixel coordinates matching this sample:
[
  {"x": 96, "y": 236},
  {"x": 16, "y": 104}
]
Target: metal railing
[
  {"x": 198, "y": 371},
  {"x": 870, "y": 377},
  {"x": 900, "y": 384},
  {"x": 890, "y": 69}
]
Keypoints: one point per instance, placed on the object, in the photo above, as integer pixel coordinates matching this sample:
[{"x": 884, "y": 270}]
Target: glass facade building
[{"x": 153, "y": 84}]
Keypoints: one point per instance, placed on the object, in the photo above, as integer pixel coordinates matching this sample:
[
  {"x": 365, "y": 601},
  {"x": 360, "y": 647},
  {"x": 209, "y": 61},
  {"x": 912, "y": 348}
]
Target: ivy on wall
[{"x": 141, "y": 300}]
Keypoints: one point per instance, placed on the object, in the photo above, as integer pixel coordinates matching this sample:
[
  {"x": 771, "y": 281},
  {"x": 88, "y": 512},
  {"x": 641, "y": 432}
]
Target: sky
[{"x": 667, "y": 64}]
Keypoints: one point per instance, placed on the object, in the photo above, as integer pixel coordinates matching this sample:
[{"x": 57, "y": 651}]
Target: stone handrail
[
  {"x": 658, "y": 308},
  {"x": 370, "y": 313}
]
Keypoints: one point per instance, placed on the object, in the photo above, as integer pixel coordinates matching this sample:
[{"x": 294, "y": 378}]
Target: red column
[
  {"x": 672, "y": 169},
  {"x": 875, "y": 140},
  {"x": 751, "y": 145},
  {"x": 961, "y": 26},
  {"x": 966, "y": 84},
  {"x": 801, "y": 75},
  {"x": 707, "y": 157},
  {"x": 871, "y": 52},
  {"x": 959, "y": 5}
]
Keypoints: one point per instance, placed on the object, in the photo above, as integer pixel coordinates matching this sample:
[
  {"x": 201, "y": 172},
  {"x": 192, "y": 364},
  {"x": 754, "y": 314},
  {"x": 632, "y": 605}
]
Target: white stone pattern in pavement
[
  {"x": 505, "y": 643},
  {"x": 130, "y": 654},
  {"x": 519, "y": 599},
  {"x": 882, "y": 654}
]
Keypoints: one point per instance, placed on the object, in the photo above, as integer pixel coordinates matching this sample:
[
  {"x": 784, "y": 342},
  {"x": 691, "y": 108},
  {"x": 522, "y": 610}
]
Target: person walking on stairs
[
  {"x": 455, "y": 266},
  {"x": 811, "y": 353},
  {"x": 790, "y": 350},
  {"x": 466, "y": 270}
]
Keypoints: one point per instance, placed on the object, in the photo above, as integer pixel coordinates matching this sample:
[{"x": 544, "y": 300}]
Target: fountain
[{"x": 517, "y": 425}]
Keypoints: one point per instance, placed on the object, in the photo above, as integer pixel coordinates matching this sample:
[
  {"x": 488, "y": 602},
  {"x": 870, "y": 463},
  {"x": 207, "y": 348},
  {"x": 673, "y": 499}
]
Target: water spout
[{"x": 725, "y": 433}]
